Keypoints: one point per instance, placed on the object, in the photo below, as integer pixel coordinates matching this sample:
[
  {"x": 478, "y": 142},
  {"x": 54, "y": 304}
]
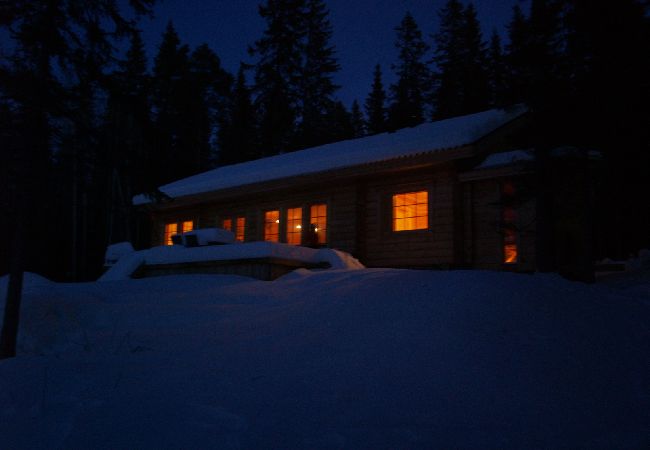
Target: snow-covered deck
[{"x": 261, "y": 260}]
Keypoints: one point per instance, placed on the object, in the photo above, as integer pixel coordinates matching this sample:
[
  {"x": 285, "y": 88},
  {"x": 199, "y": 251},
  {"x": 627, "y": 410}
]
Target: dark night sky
[{"x": 363, "y": 31}]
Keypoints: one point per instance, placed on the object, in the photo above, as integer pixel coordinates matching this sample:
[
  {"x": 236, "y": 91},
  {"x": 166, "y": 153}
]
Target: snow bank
[
  {"x": 207, "y": 236},
  {"x": 373, "y": 358},
  {"x": 428, "y": 137},
  {"x": 176, "y": 254},
  {"x": 115, "y": 251},
  {"x": 505, "y": 158}
]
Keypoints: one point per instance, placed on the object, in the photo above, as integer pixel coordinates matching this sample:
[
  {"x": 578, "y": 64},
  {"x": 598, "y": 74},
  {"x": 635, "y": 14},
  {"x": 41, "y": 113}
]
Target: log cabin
[{"x": 444, "y": 194}]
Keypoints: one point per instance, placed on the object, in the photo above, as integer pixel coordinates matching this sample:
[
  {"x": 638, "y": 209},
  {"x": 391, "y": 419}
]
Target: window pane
[
  {"x": 294, "y": 225},
  {"x": 272, "y": 226},
  {"x": 410, "y": 211},
  {"x": 188, "y": 225},
  {"x": 241, "y": 229},
  {"x": 227, "y": 224},
  {"x": 510, "y": 253},
  {"x": 170, "y": 229},
  {"x": 318, "y": 223}
]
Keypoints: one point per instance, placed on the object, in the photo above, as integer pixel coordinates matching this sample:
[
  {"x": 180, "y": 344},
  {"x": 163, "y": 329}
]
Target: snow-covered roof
[
  {"x": 425, "y": 138},
  {"x": 505, "y": 158}
]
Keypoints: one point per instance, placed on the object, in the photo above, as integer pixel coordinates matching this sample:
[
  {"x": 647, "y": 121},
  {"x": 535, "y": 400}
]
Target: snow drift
[{"x": 374, "y": 358}]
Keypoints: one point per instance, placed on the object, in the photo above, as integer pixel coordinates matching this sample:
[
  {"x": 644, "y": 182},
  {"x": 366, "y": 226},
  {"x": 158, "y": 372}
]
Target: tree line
[{"x": 84, "y": 127}]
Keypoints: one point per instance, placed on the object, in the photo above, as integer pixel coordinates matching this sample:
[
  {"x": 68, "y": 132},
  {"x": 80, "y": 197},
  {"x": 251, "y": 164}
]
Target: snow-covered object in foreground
[
  {"x": 335, "y": 359},
  {"x": 115, "y": 251},
  {"x": 174, "y": 254},
  {"x": 207, "y": 236},
  {"x": 425, "y": 138}
]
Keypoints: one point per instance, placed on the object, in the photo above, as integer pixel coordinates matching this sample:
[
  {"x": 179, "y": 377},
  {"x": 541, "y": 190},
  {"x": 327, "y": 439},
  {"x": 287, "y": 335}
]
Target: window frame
[
  {"x": 279, "y": 222},
  {"x": 305, "y": 221},
  {"x": 234, "y": 228},
  {"x": 389, "y": 218},
  {"x": 180, "y": 228}
]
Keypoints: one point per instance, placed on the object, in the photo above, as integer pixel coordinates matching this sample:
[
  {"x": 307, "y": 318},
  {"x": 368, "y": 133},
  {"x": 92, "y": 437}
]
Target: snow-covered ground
[{"x": 369, "y": 358}]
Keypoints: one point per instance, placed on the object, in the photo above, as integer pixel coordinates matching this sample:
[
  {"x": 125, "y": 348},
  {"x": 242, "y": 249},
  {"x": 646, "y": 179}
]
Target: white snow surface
[
  {"x": 207, "y": 235},
  {"x": 428, "y": 137},
  {"x": 115, "y": 251},
  {"x": 174, "y": 254},
  {"x": 505, "y": 158},
  {"x": 370, "y": 359}
]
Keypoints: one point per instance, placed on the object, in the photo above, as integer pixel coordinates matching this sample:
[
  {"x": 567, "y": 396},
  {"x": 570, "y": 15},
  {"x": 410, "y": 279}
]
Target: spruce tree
[
  {"x": 278, "y": 73},
  {"x": 517, "y": 57},
  {"x": 317, "y": 85},
  {"x": 45, "y": 110},
  {"x": 461, "y": 81},
  {"x": 171, "y": 85},
  {"x": 375, "y": 104},
  {"x": 237, "y": 135},
  {"x": 340, "y": 123},
  {"x": 409, "y": 93},
  {"x": 126, "y": 140},
  {"x": 210, "y": 93},
  {"x": 496, "y": 68},
  {"x": 357, "y": 120}
]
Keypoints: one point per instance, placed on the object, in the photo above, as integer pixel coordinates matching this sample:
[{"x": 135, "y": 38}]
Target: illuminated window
[
  {"x": 294, "y": 225},
  {"x": 170, "y": 230},
  {"x": 411, "y": 211},
  {"x": 272, "y": 226},
  {"x": 188, "y": 225},
  {"x": 240, "y": 229},
  {"x": 318, "y": 221},
  {"x": 509, "y": 221},
  {"x": 227, "y": 224}
]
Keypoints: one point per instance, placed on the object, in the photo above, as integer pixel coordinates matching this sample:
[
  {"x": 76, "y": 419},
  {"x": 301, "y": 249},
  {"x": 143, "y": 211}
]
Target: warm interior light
[
  {"x": 411, "y": 211},
  {"x": 170, "y": 229},
  {"x": 510, "y": 253},
  {"x": 271, "y": 226},
  {"x": 318, "y": 219},
  {"x": 240, "y": 229},
  {"x": 294, "y": 225},
  {"x": 188, "y": 225}
]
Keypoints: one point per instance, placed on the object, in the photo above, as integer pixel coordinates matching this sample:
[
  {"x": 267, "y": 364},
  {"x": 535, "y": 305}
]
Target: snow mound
[
  {"x": 176, "y": 254},
  {"x": 115, "y": 251}
]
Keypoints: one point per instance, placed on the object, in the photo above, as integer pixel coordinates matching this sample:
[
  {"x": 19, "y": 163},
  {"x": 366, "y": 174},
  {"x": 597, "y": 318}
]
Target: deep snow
[{"x": 372, "y": 358}]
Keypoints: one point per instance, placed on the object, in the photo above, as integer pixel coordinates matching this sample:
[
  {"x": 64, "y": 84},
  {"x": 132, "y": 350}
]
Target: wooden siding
[{"x": 432, "y": 247}]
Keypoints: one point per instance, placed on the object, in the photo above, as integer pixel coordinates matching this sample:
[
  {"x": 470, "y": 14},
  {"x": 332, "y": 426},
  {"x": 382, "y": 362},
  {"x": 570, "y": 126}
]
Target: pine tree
[
  {"x": 375, "y": 104},
  {"x": 237, "y": 135},
  {"x": 357, "y": 120},
  {"x": 278, "y": 73},
  {"x": 408, "y": 94},
  {"x": 461, "y": 80},
  {"x": 317, "y": 86}
]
